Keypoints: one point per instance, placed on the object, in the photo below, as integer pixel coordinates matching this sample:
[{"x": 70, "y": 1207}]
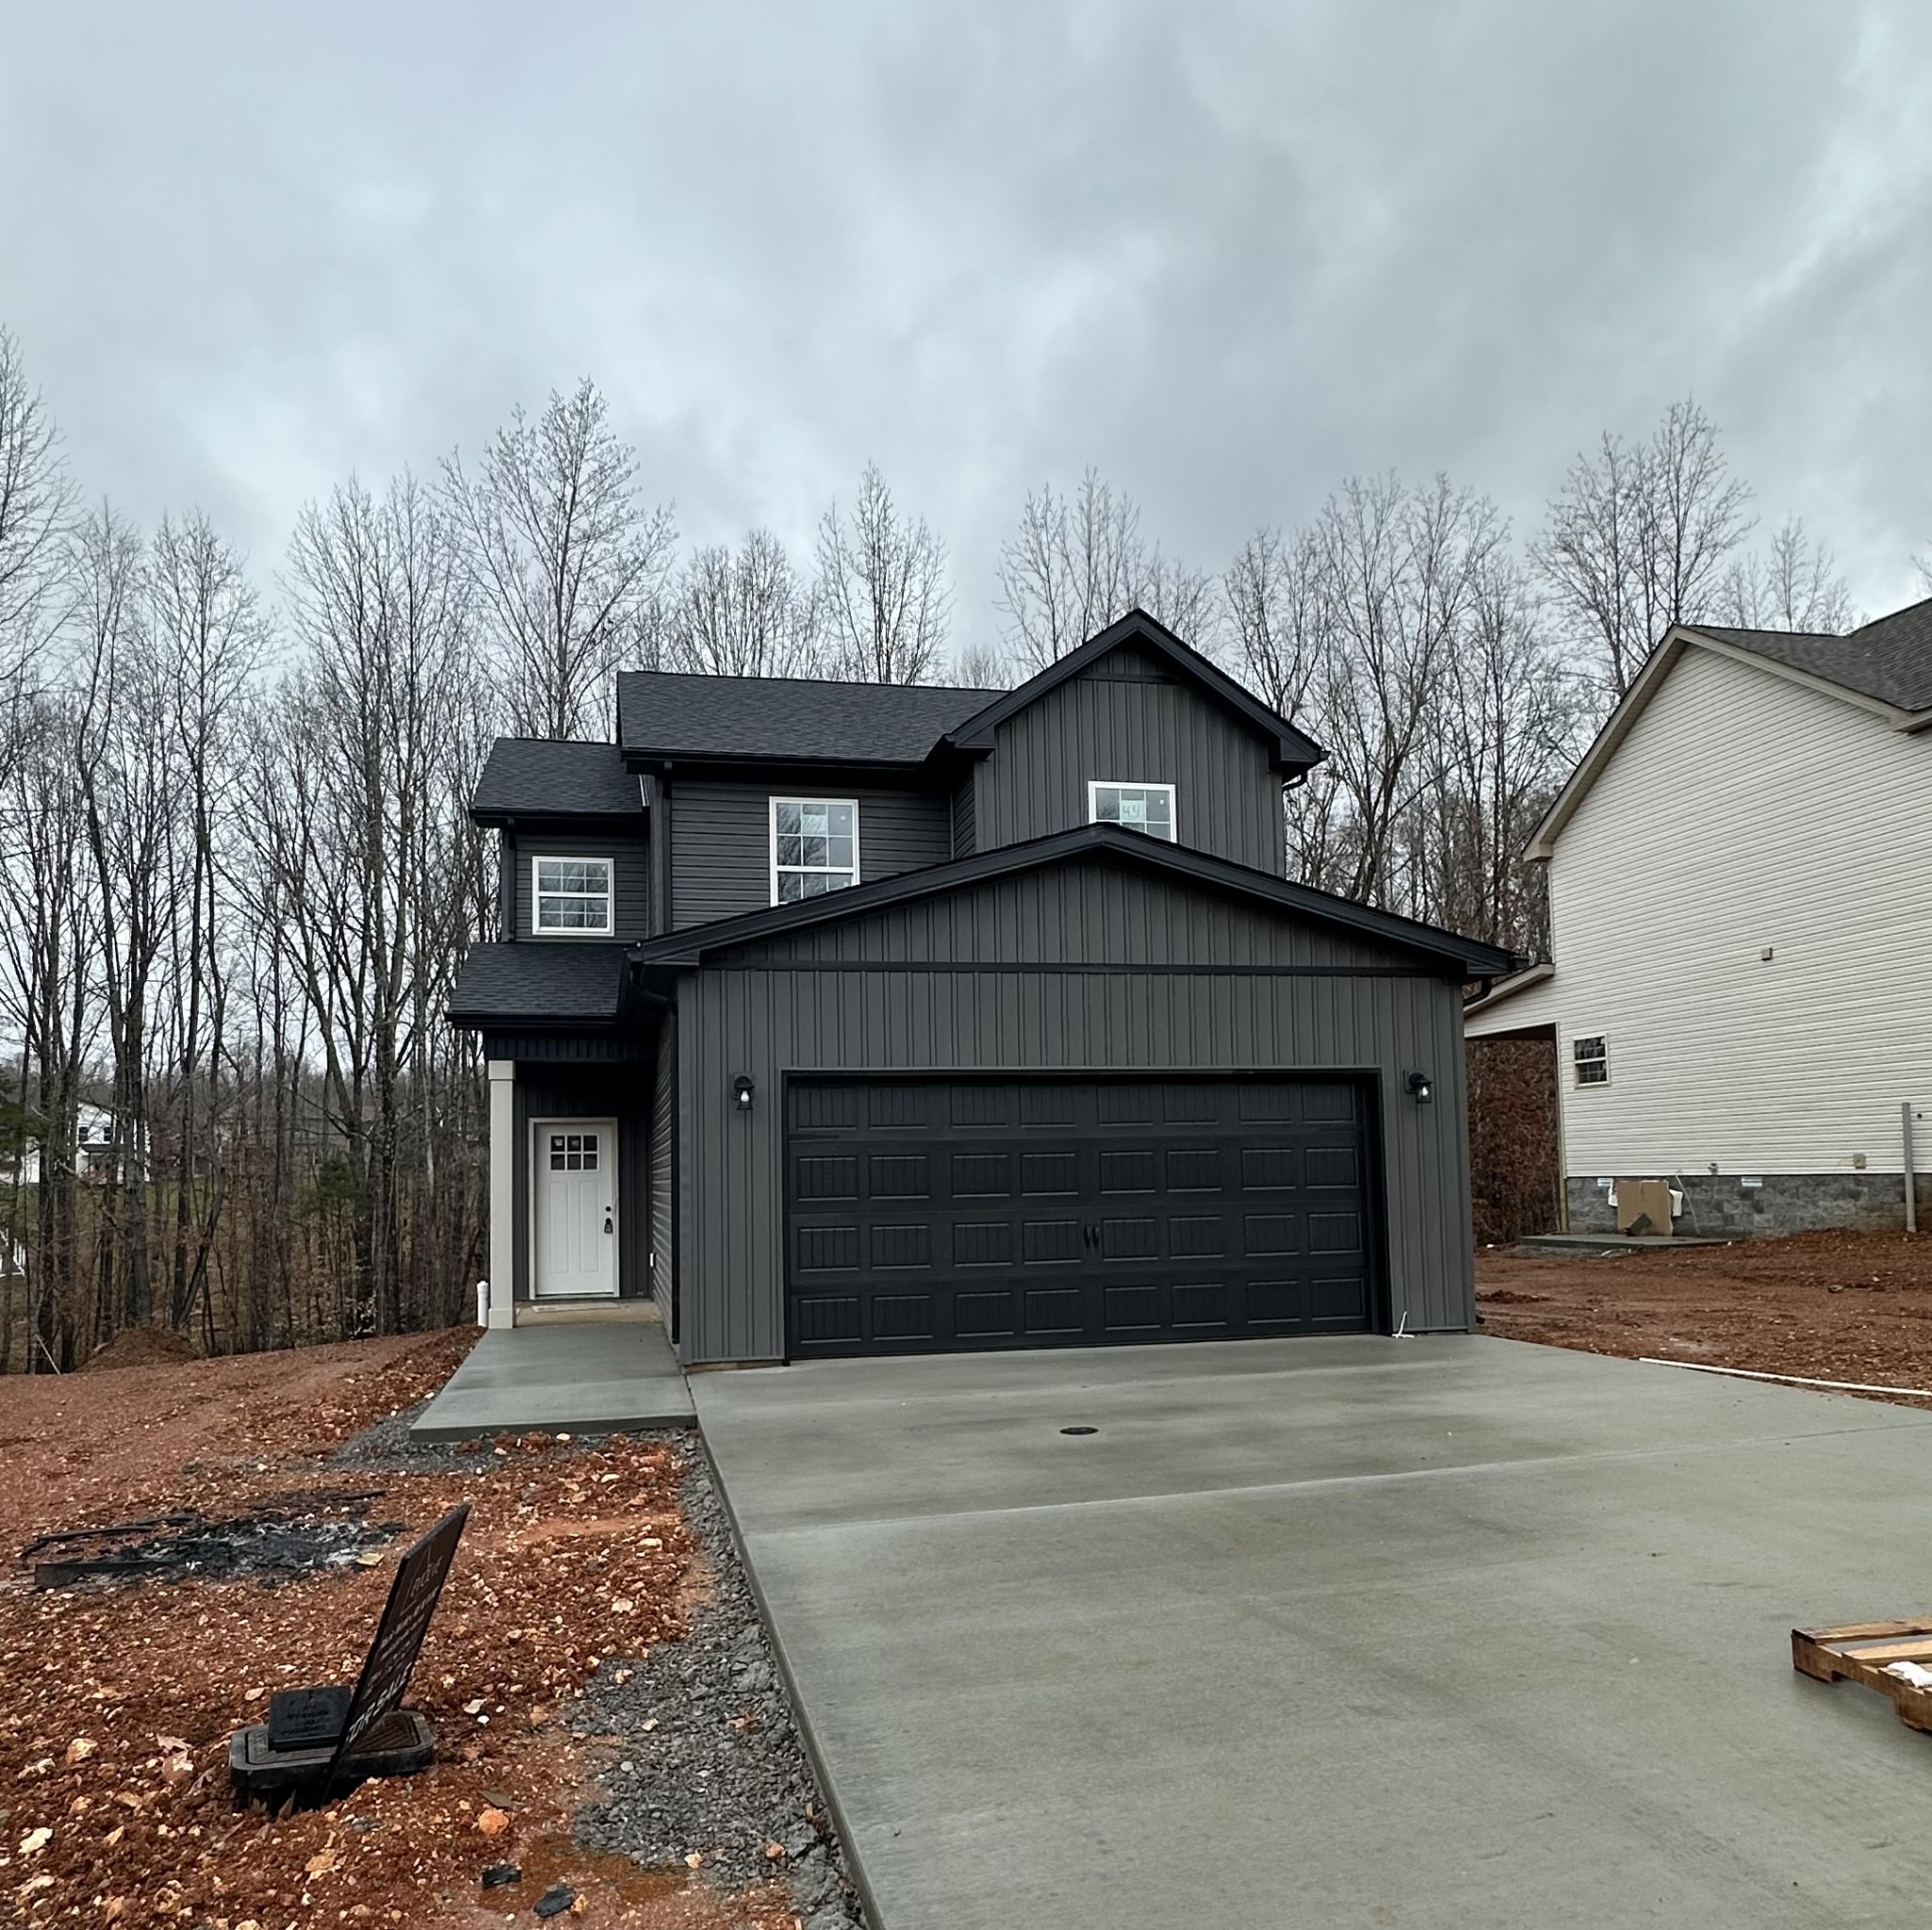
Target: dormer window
[
  {"x": 572, "y": 896},
  {"x": 1147, "y": 807},
  {"x": 814, "y": 848}
]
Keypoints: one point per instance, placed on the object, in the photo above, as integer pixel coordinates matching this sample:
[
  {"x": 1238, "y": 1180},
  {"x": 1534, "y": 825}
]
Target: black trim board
[{"x": 1456, "y": 957}]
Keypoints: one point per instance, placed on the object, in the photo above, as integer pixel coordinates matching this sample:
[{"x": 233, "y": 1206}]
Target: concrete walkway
[
  {"x": 1451, "y": 1633},
  {"x": 593, "y": 1379}
]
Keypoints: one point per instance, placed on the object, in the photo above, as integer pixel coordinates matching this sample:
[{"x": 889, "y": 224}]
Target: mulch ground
[
  {"x": 116, "y": 1700},
  {"x": 1852, "y": 1306}
]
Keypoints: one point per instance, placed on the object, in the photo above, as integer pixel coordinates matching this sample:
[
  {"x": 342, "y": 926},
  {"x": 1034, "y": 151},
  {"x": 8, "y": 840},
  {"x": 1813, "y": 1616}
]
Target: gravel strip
[
  {"x": 721, "y": 1763},
  {"x": 697, "y": 1744}
]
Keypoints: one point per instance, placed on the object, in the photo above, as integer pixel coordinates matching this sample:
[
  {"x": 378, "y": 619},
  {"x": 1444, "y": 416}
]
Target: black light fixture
[
  {"x": 741, "y": 1089},
  {"x": 1421, "y": 1088}
]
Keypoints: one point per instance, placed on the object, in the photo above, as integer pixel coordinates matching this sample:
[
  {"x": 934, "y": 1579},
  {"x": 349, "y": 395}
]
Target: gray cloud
[{"x": 1227, "y": 253}]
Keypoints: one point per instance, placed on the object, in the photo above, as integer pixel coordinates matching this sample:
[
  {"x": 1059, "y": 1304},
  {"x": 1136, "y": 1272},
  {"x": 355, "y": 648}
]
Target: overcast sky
[{"x": 1226, "y": 253}]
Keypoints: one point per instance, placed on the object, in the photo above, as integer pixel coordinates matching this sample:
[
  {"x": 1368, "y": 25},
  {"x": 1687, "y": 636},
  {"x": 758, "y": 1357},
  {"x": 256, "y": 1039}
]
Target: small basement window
[
  {"x": 1592, "y": 1061},
  {"x": 814, "y": 848},
  {"x": 1147, "y": 807},
  {"x": 572, "y": 895}
]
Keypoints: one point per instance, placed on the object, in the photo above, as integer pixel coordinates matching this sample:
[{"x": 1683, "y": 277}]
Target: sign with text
[{"x": 391, "y": 1658}]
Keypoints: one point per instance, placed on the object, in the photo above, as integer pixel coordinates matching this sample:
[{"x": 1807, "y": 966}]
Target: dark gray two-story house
[{"x": 858, "y": 1018}]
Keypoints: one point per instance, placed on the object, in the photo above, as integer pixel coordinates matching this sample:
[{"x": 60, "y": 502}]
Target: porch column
[{"x": 503, "y": 1158}]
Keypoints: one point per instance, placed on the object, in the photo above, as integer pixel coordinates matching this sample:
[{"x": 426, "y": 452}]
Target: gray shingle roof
[
  {"x": 539, "y": 979},
  {"x": 670, "y": 713},
  {"x": 528, "y": 777},
  {"x": 1889, "y": 660}
]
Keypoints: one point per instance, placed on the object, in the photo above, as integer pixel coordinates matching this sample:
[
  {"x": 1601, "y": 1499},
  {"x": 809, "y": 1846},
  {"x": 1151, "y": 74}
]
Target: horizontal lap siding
[
  {"x": 1744, "y": 812},
  {"x": 630, "y": 880},
  {"x": 1198, "y": 1014},
  {"x": 720, "y": 836},
  {"x": 1135, "y": 728}
]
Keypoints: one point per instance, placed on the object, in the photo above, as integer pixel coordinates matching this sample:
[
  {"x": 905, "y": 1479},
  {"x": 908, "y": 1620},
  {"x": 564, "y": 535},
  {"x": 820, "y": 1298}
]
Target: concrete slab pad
[
  {"x": 1449, "y": 1632},
  {"x": 593, "y": 1379}
]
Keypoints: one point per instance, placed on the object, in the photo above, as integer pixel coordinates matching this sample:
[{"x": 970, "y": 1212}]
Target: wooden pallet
[{"x": 1862, "y": 1651}]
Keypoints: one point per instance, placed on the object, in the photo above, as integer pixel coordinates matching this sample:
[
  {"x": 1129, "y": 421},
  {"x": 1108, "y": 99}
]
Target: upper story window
[
  {"x": 814, "y": 848},
  {"x": 572, "y": 896},
  {"x": 1147, "y": 807},
  {"x": 1592, "y": 1061}
]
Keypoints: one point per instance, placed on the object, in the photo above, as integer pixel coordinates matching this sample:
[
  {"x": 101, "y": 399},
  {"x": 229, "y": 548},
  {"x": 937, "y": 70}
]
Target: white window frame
[
  {"x": 1577, "y": 1082},
  {"x": 539, "y": 929},
  {"x": 772, "y": 805},
  {"x": 1096, "y": 785}
]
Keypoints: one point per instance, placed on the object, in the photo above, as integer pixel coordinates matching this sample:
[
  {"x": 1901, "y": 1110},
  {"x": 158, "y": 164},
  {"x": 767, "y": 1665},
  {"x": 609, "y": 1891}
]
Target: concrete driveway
[{"x": 1441, "y": 1632}]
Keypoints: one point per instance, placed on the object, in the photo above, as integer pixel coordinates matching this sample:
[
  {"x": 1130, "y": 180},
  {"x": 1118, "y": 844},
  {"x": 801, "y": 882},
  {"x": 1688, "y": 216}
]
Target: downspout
[{"x": 1911, "y": 1179}]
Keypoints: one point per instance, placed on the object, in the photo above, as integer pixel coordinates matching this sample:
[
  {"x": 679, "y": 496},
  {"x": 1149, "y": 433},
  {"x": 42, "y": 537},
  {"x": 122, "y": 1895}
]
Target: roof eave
[{"x": 1470, "y": 958}]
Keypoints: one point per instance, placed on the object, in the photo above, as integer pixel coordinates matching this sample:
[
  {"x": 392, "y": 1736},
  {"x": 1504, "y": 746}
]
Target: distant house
[
  {"x": 1741, "y": 913},
  {"x": 862, "y": 1019},
  {"x": 94, "y": 1140}
]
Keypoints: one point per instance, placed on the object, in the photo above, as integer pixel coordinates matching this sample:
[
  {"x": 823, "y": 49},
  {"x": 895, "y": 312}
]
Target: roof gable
[
  {"x": 1884, "y": 668},
  {"x": 1148, "y": 647},
  {"x": 1444, "y": 952}
]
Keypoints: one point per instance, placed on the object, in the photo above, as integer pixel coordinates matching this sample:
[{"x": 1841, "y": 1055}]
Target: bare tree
[
  {"x": 742, "y": 614},
  {"x": 563, "y": 558},
  {"x": 369, "y": 857},
  {"x": 1402, "y": 567},
  {"x": 209, "y": 634},
  {"x": 1794, "y": 585},
  {"x": 1638, "y": 540},
  {"x": 982, "y": 666},
  {"x": 882, "y": 592},
  {"x": 1076, "y": 564},
  {"x": 36, "y": 505}
]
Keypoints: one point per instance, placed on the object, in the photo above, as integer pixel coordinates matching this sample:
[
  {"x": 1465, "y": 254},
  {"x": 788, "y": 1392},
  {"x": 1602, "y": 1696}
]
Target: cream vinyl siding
[
  {"x": 1535, "y": 1005},
  {"x": 1744, "y": 812}
]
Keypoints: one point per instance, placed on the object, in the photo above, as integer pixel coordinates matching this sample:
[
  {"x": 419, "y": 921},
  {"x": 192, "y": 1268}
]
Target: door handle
[{"x": 606, "y": 1223}]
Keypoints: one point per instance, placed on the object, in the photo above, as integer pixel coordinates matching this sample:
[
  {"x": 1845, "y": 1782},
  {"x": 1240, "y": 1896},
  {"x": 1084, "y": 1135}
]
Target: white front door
[{"x": 573, "y": 1199}]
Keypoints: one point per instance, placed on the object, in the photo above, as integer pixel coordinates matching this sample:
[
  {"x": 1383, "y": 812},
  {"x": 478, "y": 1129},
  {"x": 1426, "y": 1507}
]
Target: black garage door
[{"x": 927, "y": 1216}]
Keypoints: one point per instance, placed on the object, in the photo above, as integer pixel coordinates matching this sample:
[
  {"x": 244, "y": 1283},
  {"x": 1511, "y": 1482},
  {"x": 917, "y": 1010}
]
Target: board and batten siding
[
  {"x": 720, "y": 841},
  {"x": 663, "y": 1175},
  {"x": 1745, "y": 813},
  {"x": 630, "y": 880},
  {"x": 1126, "y": 719},
  {"x": 1005, "y": 989}
]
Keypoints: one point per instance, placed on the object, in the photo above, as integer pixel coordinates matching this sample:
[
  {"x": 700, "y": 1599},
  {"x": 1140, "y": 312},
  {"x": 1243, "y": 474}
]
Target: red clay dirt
[
  {"x": 116, "y": 1701},
  {"x": 1851, "y": 1307}
]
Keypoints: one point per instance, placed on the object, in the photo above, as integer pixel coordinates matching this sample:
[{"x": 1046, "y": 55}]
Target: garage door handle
[
  {"x": 1092, "y": 1234},
  {"x": 606, "y": 1223}
]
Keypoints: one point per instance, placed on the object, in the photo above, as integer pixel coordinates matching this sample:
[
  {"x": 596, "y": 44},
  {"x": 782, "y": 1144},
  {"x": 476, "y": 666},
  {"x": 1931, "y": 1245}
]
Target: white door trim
[{"x": 608, "y": 1170}]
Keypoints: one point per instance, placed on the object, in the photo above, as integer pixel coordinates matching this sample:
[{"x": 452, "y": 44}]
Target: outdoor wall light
[
  {"x": 1420, "y": 1086},
  {"x": 741, "y": 1089}
]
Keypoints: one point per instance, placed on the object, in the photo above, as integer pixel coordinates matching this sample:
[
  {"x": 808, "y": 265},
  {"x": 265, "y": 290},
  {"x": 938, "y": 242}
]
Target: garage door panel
[
  {"x": 1125, "y": 1308},
  {"x": 983, "y": 1316},
  {"x": 1143, "y": 1209},
  {"x": 982, "y": 1176},
  {"x": 1054, "y": 1310},
  {"x": 983, "y": 1243}
]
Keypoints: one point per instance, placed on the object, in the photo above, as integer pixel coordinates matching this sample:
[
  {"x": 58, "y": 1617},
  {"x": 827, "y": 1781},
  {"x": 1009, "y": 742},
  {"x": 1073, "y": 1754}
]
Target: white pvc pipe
[
  {"x": 1911, "y": 1179},
  {"x": 1796, "y": 1380}
]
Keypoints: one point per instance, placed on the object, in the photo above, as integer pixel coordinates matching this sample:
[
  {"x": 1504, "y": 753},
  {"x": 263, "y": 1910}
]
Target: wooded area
[{"x": 240, "y": 878}]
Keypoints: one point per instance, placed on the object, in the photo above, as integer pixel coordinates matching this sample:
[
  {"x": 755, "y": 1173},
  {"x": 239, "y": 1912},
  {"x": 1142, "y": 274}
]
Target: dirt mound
[{"x": 139, "y": 1347}]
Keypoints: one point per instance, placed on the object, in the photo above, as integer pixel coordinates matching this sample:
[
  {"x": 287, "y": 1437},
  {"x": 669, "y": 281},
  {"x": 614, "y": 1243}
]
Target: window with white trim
[
  {"x": 1591, "y": 1058},
  {"x": 1147, "y": 807},
  {"x": 814, "y": 848},
  {"x": 571, "y": 896}
]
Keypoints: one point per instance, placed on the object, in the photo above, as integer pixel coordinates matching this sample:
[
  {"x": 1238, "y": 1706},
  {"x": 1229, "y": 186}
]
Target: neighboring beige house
[{"x": 1741, "y": 916}]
